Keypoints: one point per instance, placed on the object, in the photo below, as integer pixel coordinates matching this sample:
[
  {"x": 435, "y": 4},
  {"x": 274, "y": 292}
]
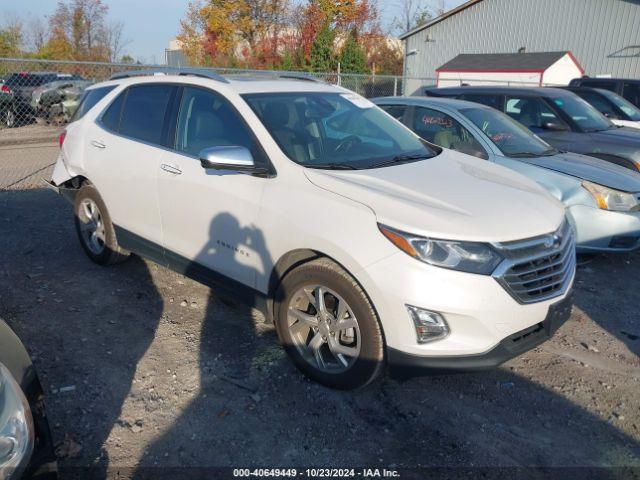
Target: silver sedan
[{"x": 602, "y": 199}]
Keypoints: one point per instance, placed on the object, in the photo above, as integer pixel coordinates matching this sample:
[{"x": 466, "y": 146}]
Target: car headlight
[
  {"x": 16, "y": 427},
  {"x": 463, "y": 256},
  {"x": 609, "y": 199}
]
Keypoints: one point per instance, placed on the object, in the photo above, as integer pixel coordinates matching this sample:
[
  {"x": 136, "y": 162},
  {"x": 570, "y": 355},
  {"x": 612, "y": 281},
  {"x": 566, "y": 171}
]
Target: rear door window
[
  {"x": 144, "y": 111},
  {"x": 89, "y": 100}
]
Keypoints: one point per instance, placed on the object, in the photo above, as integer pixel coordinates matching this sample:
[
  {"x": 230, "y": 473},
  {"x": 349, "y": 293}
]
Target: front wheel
[{"x": 328, "y": 326}]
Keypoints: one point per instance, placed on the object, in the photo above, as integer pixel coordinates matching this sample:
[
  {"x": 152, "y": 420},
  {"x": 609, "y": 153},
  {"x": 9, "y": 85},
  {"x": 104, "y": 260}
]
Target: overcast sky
[{"x": 150, "y": 24}]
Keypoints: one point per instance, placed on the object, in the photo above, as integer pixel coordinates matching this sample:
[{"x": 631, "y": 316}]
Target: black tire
[
  {"x": 111, "y": 253},
  {"x": 369, "y": 364}
]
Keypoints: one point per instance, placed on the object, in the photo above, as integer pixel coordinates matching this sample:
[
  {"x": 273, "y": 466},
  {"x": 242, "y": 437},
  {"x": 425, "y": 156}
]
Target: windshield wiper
[
  {"x": 331, "y": 166},
  {"x": 524, "y": 155},
  {"x": 401, "y": 159},
  {"x": 550, "y": 152}
]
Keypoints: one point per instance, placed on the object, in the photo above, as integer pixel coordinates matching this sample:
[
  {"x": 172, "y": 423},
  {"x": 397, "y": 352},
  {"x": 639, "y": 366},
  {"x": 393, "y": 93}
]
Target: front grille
[{"x": 540, "y": 268}]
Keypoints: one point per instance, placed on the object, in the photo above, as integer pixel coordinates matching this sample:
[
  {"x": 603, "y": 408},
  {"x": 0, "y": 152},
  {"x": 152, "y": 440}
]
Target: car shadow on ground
[
  {"x": 609, "y": 302},
  {"x": 90, "y": 327}
]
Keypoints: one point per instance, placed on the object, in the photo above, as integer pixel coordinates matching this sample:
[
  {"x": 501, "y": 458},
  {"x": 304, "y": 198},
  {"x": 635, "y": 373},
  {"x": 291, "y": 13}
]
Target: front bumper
[
  {"x": 404, "y": 364},
  {"x": 479, "y": 311},
  {"x": 604, "y": 231}
]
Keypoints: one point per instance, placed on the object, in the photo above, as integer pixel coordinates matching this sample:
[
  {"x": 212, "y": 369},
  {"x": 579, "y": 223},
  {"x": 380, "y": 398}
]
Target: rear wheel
[
  {"x": 328, "y": 326},
  {"x": 9, "y": 118},
  {"x": 94, "y": 228}
]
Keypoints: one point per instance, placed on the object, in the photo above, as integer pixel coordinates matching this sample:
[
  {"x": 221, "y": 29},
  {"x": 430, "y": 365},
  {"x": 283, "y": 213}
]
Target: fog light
[{"x": 429, "y": 325}]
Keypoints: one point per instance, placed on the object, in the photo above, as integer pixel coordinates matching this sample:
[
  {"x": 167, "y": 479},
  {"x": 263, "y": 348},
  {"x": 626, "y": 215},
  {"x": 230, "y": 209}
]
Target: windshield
[
  {"x": 587, "y": 117},
  {"x": 336, "y": 130},
  {"x": 512, "y": 138},
  {"x": 627, "y": 107}
]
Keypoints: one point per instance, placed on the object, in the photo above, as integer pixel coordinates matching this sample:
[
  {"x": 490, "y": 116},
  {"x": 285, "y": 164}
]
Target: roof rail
[
  {"x": 270, "y": 74},
  {"x": 299, "y": 76},
  {"x": 196, "y": 72}
]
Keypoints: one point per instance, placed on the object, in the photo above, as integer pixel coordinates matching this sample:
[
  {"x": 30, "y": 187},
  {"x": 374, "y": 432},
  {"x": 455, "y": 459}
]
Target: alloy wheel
[
  {"x": 92, "y": 226},
  {"x": 324, "y": 329}
]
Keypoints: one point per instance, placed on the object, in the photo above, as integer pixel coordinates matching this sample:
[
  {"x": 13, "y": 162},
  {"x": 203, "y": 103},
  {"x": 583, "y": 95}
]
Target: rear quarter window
[
  {"x": 493, "y": 101},
  {"x": 89, "y": 100}
]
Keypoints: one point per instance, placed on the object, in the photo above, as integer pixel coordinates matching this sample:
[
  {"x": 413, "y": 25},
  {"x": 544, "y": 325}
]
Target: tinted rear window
[
  {"x": 29, "y": 80},
  {"x": 606, "y": 84},
  {"x": 492, "y": 101},
  {"x": 144, "y": 111},
  {"x": 89, "y": 99}
]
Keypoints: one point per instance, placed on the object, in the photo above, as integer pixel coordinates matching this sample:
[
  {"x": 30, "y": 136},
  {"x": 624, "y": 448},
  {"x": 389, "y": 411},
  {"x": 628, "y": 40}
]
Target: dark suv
[
  {"x": 625, "y": 87},
  {"x": 617, "y": 109},
  {"x": 560, "y": 117},
  {"x": 15, "y": 97}
]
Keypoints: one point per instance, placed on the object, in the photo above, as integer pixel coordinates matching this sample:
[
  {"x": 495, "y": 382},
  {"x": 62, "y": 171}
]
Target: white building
[
  {"x": 604, "y": 35},
  {"x": 520, "y": 69}
]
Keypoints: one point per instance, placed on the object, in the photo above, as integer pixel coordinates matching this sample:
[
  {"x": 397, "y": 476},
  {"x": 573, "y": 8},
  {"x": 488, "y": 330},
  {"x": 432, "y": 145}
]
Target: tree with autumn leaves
[
  {"x": 77, "y": 30},
  {"x": 274, "y": 34}
]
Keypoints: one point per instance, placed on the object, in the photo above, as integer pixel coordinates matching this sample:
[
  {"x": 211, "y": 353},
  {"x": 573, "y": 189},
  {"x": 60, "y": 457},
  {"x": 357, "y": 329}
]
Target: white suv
[{"x": 363, "y": 243}]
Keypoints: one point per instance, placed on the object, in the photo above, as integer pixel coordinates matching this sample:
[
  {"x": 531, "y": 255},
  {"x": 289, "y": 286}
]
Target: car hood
[
  {"x": 621, "y": 135},
  {"x": 591, "y": 169},
  {"x": 451, "y": 196}
]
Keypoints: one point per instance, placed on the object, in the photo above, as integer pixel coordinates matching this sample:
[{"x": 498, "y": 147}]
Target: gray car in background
[
  {"x": 560, "y": 117},
  {"x": 56, "y": 101},
  {"x": 602, "y": 199}
]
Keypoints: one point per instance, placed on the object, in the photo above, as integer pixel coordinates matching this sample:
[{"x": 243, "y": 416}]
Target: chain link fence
[
  {"x": 38, "y": 97},
  {"x": 46, "y": 92}
]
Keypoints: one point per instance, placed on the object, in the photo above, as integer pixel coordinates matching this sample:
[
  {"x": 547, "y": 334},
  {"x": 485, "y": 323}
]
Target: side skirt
[{"x": 220, "y": 283}]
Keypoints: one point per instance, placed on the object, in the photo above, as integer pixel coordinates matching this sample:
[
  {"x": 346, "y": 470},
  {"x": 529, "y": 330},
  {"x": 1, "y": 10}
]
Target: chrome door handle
[
  {"x": 98, "y": 144},
  {"x": 171, "y": 168}
]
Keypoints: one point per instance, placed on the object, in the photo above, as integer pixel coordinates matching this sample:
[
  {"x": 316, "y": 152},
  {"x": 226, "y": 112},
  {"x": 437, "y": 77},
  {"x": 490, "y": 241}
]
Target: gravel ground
[
  {"x": 24, "y": 166},
  {"x": 145, "y": 368},
  {"x": 31, "y": 133}
]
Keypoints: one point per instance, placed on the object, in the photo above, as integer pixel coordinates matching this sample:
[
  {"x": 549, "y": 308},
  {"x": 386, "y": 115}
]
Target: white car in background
[{"x": 365, "y": 244}]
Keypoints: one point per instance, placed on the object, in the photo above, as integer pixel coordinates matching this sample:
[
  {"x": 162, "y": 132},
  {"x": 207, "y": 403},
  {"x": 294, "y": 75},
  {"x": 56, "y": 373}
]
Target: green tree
[
  {"x": 288, "y": 61},
  {"x": 322, "y": 59},
  {"x": 11, "y": 41},
  {"x": 352, "y": 57}
]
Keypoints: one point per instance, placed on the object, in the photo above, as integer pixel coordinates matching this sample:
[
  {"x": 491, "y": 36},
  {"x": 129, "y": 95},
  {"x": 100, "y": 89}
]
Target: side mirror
[
  {"x": 556, "y": 127},
  {"x": 234, "y": 158}
]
